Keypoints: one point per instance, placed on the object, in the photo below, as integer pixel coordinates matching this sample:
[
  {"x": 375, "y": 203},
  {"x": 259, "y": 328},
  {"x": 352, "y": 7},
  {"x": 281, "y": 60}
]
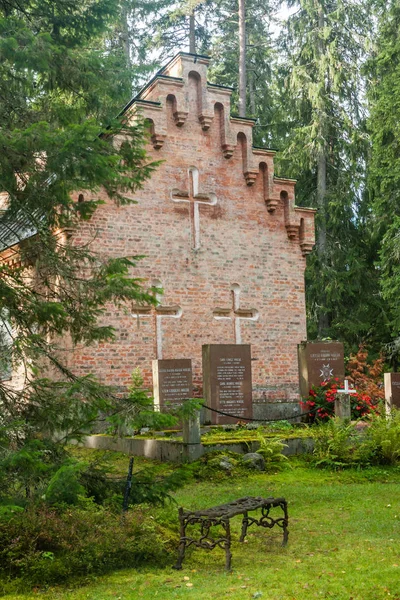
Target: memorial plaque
[
  {"x": 227, "y": 381},
  {"x": 172, "y": 381},
  {"x": 318, "y": 362},
  {"x": 392, "y": 390}
]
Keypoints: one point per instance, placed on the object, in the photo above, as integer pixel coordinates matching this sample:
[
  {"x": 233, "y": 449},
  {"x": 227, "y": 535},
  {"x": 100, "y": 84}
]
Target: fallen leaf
[
  {"x": 189, "y": 585},
  {"x": 186, "y": 578}
]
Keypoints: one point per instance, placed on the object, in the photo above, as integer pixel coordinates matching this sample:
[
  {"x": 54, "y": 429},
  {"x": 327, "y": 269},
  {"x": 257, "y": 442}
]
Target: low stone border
[{"x": 178, "y": 452}]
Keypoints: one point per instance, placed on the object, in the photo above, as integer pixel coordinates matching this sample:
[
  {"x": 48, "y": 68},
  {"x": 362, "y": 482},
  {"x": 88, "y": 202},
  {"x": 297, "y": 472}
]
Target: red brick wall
[{"x": 241, "y": 242}]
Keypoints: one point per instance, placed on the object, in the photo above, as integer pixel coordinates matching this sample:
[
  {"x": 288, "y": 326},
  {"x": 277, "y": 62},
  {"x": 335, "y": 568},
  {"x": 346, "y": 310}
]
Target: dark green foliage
[
  {"x": 384, "y": 170},
  {"x": 334, "y": 444},
  {"x": 26, "y": 471},
  {"x": 59, "y": 97},
  {"x": 340, "y": 445},
  {"x": 64, "y": 486},
  {"x": 381, "y": 445},
  {"x": 45, "y": 546},
  {"x": 326, "y": 148}
]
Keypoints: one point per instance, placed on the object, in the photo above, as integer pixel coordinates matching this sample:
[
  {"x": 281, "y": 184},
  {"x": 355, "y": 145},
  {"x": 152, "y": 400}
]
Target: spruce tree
[
  {"x": 384, "y": 167},
  {"x": 325, "y": 147},
  {"x": 60, "y": 90}
]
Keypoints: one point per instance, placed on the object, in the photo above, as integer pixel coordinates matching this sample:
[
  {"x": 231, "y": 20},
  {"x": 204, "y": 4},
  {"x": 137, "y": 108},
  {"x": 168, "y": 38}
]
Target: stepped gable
[{"x": 170, "y": 87}]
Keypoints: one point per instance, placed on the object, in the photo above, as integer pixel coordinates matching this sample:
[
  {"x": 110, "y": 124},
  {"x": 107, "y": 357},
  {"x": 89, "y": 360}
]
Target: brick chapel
[{"x": 221, "y": 235}]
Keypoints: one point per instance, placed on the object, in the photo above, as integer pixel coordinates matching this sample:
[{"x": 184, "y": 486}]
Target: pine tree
[
  {"x": 257, "y": 56},
  {"x": 59, "y": 91}
]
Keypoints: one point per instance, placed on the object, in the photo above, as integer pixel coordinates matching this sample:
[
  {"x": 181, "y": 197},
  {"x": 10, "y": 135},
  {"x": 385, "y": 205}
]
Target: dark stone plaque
[
  {"x": 392, "y": 390},
  {"x": 172, "y": 381},
  {"x": 227, "y": 381},
  {"x": 318, "y": 362}
]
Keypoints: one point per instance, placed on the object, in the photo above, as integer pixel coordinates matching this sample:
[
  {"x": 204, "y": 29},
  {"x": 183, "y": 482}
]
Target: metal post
[{"x": 128, "y": 486}]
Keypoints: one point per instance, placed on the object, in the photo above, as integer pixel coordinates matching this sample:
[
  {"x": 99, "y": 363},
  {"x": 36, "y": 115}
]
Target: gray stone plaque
[
  {"x": 392, "y": 390},
  {"x": 172, "y": 381},
  {"x": 318, "y": 362},
  {"x": 227, "y": 381}
]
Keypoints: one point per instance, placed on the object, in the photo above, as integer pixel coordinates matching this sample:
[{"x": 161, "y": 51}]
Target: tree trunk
[
  {"x": 242, "y": 59},
  {"x": 252, "y": 96},
  {"x": 125, "y": 36},
  {"x": 323, "y": 318},
  {"x": 192, "y": 33}
]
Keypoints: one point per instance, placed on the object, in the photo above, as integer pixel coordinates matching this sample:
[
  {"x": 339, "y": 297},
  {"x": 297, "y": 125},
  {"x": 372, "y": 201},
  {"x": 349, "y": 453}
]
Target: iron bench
[{"x": 221, "y": 515}]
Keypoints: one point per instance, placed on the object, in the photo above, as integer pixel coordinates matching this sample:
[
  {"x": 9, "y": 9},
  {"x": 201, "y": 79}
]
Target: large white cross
[
  {"x": 195, "y": 200},
  {"x": 160, "y": 311},
  {"x": 236, "y": 313}
]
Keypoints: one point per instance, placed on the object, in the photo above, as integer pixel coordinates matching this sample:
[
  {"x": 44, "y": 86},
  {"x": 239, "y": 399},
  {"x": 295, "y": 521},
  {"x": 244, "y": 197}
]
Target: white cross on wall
[
  {"x": 161, "y": 312},
  {"x": 236, "y": 313},
  {"x": 195, "y": 200}
]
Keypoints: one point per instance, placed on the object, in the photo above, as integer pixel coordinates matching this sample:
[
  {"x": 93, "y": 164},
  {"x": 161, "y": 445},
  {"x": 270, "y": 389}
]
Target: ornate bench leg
[
  {"x": 228, "y": 555},
  {"x": 245, "y": 523},
  {"x": 182, "y": 542},
  {"x": 285, "y": 524},
  {"x": 181, "y": 556}
]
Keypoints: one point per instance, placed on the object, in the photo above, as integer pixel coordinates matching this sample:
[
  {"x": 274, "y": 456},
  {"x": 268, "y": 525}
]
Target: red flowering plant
[{"x": 320, "y": 402}]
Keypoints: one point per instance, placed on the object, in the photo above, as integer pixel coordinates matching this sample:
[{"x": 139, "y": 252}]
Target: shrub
[
  {"x": 381, "y": 443},
  {"x": 271, "y": 450},
  {"x": 334, "y": 445},
  {"x": 64, "y": 487},
  {"x": 338, "y": 445},
  {"x": 321, "y": 401},
  {"x": 44, "y": 546},
  {"x": 366, "y": 378}
]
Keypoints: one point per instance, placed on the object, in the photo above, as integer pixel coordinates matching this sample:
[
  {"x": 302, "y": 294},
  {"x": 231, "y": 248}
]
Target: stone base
[
  {"x": 177, "y": 452},
  {"x": 278, "y": 410},
  {"x": 267, "y": 410}
]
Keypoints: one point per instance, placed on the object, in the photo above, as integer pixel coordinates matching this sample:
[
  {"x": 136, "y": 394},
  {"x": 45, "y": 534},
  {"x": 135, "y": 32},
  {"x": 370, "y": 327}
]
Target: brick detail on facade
[{"x": 212, "y": 221}]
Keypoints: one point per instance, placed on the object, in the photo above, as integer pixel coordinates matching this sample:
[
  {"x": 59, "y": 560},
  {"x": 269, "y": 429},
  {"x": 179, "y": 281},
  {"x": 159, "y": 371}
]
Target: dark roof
[{"x": 15, "y": 227}]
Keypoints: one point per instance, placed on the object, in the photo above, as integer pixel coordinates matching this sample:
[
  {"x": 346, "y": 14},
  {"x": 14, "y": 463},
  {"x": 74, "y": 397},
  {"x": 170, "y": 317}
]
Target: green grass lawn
[{"x": 344, "y": 543}]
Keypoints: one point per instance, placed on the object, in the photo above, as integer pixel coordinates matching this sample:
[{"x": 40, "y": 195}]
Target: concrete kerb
[{"x": 179, "y": 452}]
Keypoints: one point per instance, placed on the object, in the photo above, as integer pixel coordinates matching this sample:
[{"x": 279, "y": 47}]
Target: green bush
[
  {"x": 45, "y": 546},
  {"x": 64, "y": 487},
  {"x": 271, "y": 450},
  {"x": 381, "y": 443},
  {"x": 338, "y": 445},
  {"x": 334, "y": 444}
]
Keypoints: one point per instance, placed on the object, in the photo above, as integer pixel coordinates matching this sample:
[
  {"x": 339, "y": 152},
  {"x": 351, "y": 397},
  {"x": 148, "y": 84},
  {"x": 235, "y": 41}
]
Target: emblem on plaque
[{"x": 326, "y": 371}]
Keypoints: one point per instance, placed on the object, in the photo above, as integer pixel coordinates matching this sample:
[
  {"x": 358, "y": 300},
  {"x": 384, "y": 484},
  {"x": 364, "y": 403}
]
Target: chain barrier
[{"x": 220, "y": 412}]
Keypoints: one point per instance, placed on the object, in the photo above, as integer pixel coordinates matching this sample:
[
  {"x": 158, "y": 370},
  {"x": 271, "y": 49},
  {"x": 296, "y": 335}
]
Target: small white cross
[{"x": 347, "y": 390}]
